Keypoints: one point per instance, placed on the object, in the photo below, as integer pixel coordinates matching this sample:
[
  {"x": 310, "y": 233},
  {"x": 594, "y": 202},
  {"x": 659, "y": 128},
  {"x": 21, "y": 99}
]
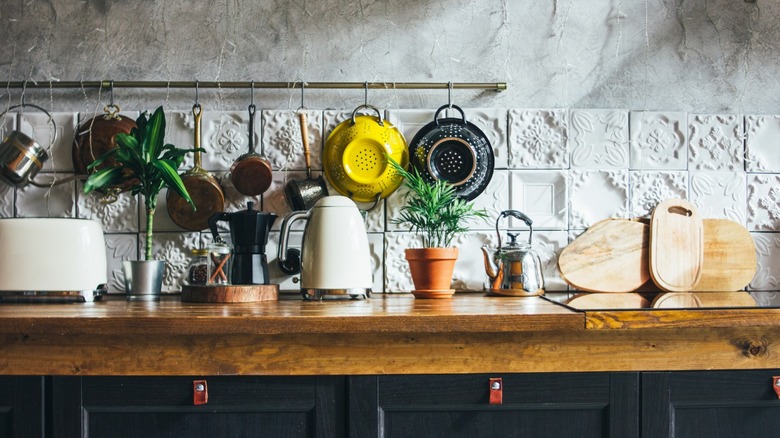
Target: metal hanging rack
[{"x": 496, "y": 86}]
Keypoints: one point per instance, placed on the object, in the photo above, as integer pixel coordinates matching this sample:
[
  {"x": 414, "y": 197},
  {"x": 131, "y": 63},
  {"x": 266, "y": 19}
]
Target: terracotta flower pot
[{"x": 432, "y": 270}]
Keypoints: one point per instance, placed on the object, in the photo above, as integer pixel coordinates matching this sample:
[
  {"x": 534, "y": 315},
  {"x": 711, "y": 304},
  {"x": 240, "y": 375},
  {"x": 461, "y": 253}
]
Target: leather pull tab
[
  {"x": 496, "y": 391},
  {"x": 200, "y": 392},
  {"x": 776, "y": 385}
]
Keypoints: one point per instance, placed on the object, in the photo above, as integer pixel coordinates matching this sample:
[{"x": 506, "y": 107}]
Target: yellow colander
[{"x": 354, "y": 156}]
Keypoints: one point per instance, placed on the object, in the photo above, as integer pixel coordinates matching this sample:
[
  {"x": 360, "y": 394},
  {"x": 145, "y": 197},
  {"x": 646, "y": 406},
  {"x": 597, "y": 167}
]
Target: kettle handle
[
  {"x": 519, "y": 215},
  {"x": 293, "y": 265}
]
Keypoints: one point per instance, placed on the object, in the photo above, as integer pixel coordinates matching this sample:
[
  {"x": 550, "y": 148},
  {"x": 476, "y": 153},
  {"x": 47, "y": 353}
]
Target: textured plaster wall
[{"x": 695, "y": 55}]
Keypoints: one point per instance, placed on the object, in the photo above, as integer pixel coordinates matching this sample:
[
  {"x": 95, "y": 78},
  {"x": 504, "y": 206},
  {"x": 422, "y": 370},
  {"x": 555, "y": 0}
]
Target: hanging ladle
[
  {"x": 251, "y": 173},
  {"x": 302, "y": 194}
]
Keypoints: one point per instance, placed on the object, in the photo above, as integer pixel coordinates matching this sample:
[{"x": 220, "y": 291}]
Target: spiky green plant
[
  {"x": 433, "y": 210},
  {"x": 143, "y": 159}
]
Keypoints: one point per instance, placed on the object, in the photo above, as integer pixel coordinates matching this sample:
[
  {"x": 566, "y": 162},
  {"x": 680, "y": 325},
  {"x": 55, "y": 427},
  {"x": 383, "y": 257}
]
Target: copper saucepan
[
  {"x": 251, "y": 173},
  {"x": 203, "y": 188}
]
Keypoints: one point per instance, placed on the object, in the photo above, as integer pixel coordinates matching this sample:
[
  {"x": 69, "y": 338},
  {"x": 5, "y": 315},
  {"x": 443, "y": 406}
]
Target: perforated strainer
[
  {"x": 455, "y": 151},
  {"x": 354, "y": 156}
]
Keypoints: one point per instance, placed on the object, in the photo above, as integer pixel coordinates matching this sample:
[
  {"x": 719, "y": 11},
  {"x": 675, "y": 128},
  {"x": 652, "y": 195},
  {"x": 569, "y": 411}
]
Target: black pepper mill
[{"x": 249, "y": 230}]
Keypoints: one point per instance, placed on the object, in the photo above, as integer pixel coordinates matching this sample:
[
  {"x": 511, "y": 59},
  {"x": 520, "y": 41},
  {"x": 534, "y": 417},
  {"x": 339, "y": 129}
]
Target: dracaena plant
[
  {"x": 144, "y": 162},
  {"x": 433, "y": 210}
]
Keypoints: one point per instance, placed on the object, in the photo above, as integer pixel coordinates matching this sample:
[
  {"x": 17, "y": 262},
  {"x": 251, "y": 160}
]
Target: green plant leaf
[
  {"x": 103, "y": 178},
  {"x": 173, "y": 180},
  {"x": 101, "y": 159},
  {"x": 155, "y": 132}
]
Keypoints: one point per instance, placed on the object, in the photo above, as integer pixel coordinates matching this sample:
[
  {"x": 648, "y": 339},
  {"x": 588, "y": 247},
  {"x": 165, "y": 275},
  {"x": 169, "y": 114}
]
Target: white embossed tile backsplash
[{"x": 566, "y": 169}]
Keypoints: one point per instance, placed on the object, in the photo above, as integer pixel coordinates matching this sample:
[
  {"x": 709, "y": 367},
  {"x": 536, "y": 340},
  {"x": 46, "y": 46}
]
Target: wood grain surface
[
  {"x": 610, "y": 256},
  {"x": 729, "y": 256},
  {"x": 235, "y": 293},
  {"x": 676, "y": 245},
  {"x": 393, "y": 334}
]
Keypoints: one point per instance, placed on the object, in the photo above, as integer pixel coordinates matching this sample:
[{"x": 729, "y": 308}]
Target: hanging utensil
[
  {"x": 251, "y": 173},
  {"x": 355, "y": 152},
  {"x": 21, "y": 157},
  {"x": 96, "y": 136},
  {"x": 203, "y": 188},
  {"x": 456, "y": 151},
  {"x": 302, "y": 194}
]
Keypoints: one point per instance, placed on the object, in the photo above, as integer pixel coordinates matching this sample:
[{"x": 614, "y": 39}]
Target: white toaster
[{"x": 51, "y": 258}]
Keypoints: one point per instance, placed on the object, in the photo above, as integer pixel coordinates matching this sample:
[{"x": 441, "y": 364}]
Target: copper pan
[{"x": 204, "y": 189}]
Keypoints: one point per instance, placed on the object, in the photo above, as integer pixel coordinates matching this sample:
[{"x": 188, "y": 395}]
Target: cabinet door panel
[
  {"x": 715, "y": 404},
  {"x": 21, "y": 407},
  {"x": 538, "y": 405},
  {"x": 237, "y": 406}
]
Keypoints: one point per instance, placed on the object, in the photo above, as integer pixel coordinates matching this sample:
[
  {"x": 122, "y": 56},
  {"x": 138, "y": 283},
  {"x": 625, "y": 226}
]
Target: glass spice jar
[
  {"x": 198, "y": 268},
  {"x": 219, "y": 263}
]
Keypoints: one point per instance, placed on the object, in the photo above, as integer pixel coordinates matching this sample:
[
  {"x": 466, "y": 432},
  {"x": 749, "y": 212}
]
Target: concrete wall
[{"x": 611, "y": 106}]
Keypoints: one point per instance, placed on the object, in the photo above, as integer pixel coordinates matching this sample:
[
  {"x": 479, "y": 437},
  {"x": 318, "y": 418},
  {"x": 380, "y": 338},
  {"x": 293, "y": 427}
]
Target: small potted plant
[
  {"x": 144, "y": 164},
  {"x": 435, "y": 212}
]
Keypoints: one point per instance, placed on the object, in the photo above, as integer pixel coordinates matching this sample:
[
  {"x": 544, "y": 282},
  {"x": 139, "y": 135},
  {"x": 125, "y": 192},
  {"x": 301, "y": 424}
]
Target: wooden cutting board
[
  {"x": 729, "y": 256},
  {"x": 623, "y": 300},
  {"x": 610, "y": 256},
  {"x": 676, "y": 245},
  {"x": 229, "y": 293},
  {"x": 677, "y": 300}
]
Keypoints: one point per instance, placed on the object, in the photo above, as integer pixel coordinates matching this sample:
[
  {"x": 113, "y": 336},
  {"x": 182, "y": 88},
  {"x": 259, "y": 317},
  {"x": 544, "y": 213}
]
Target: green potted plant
[
  {"x": 146, "y": 165},
  {"x": 435, "y": 212}
]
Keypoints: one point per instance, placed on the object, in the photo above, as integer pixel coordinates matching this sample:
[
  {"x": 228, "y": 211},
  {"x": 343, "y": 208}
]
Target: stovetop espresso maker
[{"x": 249, "y": 230}]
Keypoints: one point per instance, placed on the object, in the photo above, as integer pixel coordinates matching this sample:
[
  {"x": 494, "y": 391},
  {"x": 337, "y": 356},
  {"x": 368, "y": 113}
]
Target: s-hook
[
  {"x": 365, "y": 97},
  {"x": 449, "y": 94}
]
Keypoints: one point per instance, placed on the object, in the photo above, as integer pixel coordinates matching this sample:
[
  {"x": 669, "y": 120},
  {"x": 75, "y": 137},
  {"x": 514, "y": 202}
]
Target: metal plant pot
[{"x": 143, "y": 279}]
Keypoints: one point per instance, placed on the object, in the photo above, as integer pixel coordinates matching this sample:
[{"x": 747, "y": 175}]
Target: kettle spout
[{"x": 491, "y": 269}]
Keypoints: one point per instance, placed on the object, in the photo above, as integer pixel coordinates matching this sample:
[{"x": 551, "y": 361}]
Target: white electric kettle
[{"x": 334, "y": 257}]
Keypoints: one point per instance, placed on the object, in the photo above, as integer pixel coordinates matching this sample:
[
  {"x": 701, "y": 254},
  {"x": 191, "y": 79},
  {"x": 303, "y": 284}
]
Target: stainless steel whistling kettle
[{"x": 514, "y": 269}]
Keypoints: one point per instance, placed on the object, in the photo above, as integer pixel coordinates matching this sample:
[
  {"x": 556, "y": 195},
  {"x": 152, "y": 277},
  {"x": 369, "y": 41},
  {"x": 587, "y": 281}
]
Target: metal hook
[
  {"x": 197, "y": 98},
  {"x": 449, "y": 94},
  {"x": 365, "y": 99},
  {"x": 252, "y": 95},
  {"x": 303, "y": 86}
]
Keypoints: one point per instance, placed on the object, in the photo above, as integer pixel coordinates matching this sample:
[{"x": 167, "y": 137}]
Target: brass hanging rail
[{"x": 497, "y": 86}]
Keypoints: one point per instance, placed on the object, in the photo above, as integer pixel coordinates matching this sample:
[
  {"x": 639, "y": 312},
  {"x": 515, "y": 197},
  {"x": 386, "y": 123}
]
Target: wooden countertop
[{"x": 387, "y": 334}]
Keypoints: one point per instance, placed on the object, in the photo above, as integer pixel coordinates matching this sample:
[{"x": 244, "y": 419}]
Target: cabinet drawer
[{"x": 715, "y": 404}]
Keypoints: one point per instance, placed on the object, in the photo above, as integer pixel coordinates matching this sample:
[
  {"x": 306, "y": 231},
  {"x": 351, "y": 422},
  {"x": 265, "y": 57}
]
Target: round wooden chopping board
[{"x": 229, "y": 294}]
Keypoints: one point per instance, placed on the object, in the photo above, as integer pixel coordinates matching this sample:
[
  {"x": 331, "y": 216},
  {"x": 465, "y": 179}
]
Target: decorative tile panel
[
  {"x": 7, "y": 199},
  {"x": 494, "y": 200},
  {"x": 549, "y": 244},
  {"x": 180, "y": 132},
  {"x": 541, "y": 195},
  {"x": 282, "y": 139},
  {"x": 538, "y": 139},
  {"x": 658, "y": 140},
  {"x": 763, "y": 143},
  {"x": 715, "y": 142},
  {"x": 650, "y": 188},
  {"x": 59, "y": 145},
  {"x": 397, "y": 275},
  {"x": 176, "y": 250},
  {"x": 55, "y": 201},
  {"x": 119, "y": 247},
  {"x": 225, "y": 136},
  {"x": 120, "y": 216},
  {"x": 768, "y": 262},
  {"x": 7, "y": 124},
  {"x": 596, "y": 195},
  {"x": 598, "y": 139},
  {"x": 376, "y": 246},
  {"x": 720, "y": 195},
  {"x": 469, "y": 274},
  {"x": 763, "y": 194}
]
